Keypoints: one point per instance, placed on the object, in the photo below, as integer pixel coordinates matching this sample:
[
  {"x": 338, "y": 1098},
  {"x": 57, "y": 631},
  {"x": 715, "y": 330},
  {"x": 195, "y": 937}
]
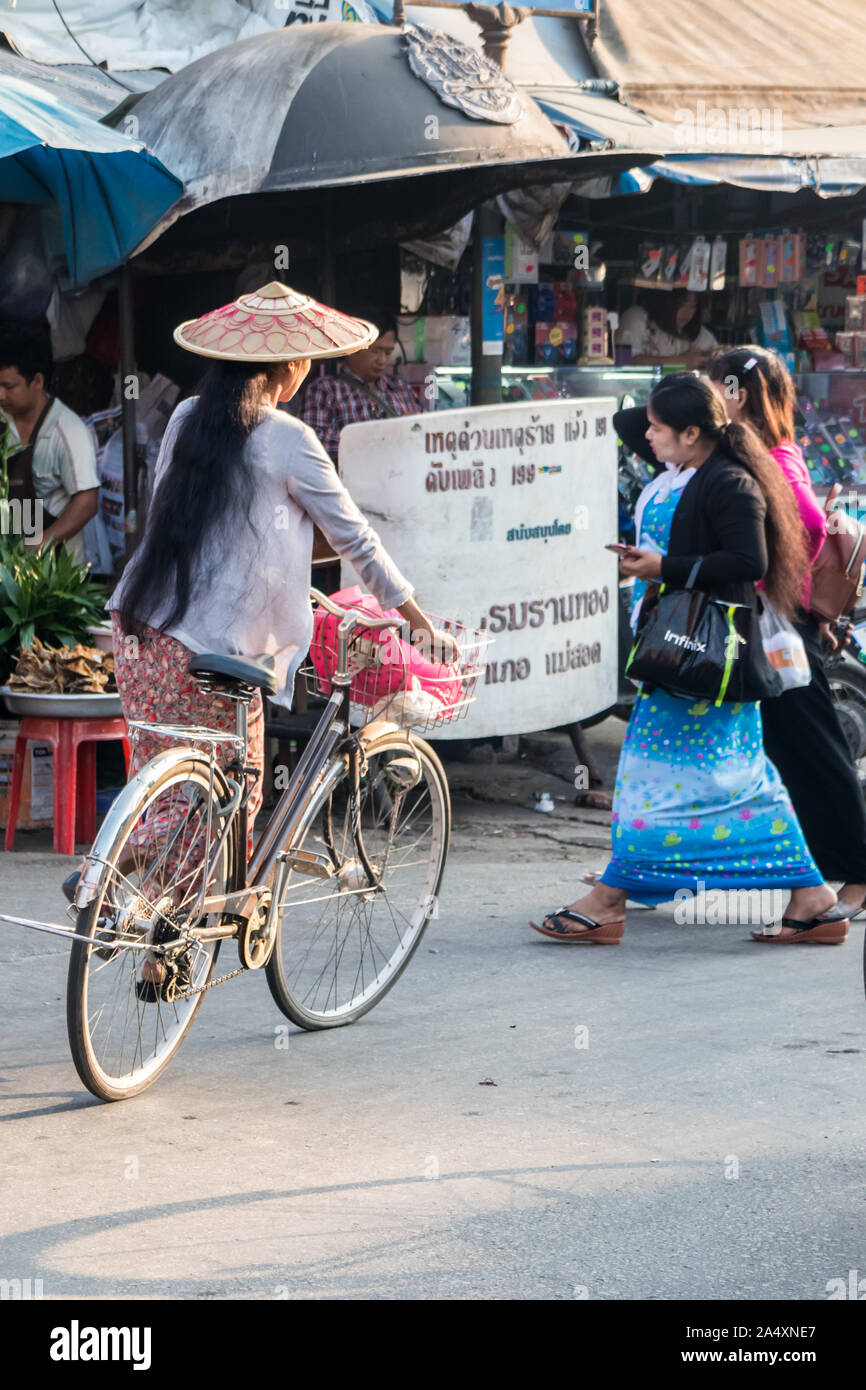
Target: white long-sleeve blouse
[{"x": 250, "y": 585}]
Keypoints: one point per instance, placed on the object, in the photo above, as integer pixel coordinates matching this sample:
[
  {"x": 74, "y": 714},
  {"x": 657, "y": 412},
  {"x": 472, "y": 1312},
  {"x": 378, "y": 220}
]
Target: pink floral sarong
[{"x": 156, "y": 687}]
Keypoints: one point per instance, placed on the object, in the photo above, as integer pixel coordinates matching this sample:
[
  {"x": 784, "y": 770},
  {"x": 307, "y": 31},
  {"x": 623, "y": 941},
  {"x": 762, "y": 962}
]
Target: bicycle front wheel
[
  {"x": 123, "y": 1028},
  {"x": 342, "y": 944}
]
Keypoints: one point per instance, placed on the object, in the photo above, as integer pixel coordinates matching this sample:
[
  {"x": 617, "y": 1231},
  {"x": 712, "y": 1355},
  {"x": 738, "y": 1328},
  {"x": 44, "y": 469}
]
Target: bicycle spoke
[
  {"x": 131, "y": 1025},
  {"x": 341, "y": 946}
]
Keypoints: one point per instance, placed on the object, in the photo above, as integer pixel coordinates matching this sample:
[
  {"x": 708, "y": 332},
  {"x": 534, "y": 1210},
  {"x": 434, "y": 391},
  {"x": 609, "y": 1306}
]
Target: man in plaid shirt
[{"x": 359, "y": 391}]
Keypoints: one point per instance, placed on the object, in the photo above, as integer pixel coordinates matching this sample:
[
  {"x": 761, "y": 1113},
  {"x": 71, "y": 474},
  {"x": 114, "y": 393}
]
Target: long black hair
[
  {"x": 769, "y": 388},
  {"x": 662, "y": 306},
  {"x": 682, "y": 400},
  {"x": 207, "y": 484}
]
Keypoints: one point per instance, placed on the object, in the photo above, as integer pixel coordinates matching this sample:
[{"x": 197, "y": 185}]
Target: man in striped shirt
[{"x": 361, "y": 390}]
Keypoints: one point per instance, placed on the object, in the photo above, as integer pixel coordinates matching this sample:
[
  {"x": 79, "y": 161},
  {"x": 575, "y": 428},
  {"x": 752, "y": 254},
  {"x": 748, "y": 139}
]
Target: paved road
[{"x": 706, "y": 1142}]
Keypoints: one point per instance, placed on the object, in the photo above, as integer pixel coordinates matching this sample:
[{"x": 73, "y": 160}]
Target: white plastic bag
[{"x": 783, "y": 648}]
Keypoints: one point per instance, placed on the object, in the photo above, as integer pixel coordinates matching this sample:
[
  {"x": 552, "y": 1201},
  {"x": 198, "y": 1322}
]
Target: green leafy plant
[{"x": 44, "y": 594}]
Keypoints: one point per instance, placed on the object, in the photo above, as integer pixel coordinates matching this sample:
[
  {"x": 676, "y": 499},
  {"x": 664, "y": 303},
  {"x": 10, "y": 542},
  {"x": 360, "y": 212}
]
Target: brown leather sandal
[
  {"x": 595, "y": 933},
  {"x": 829, "y": 928}
]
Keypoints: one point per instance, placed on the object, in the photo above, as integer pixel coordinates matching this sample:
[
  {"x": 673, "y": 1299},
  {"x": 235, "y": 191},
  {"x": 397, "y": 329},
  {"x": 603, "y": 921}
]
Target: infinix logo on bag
[{"x": 680, "y": 639}]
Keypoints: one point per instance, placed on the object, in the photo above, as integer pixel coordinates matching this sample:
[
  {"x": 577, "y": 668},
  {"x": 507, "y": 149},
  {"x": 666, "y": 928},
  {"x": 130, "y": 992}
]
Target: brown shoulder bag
[{"x": 837, "y": 574}]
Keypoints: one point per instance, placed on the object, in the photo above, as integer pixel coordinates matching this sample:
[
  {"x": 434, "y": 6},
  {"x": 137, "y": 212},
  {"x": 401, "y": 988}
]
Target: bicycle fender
[{"x": 380, "y": 729}]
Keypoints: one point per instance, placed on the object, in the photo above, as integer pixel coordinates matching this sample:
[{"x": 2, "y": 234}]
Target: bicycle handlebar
[{"x": 339, "y": 612}]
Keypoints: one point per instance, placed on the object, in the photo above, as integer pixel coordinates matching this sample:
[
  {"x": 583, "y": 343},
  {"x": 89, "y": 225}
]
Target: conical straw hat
[{"x": 274, "y": 324}]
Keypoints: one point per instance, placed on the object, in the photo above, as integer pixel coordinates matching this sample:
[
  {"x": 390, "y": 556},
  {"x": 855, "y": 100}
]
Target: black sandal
[
  {"x": 828, "y": 928},
  {"x": 596, "y": 933}
]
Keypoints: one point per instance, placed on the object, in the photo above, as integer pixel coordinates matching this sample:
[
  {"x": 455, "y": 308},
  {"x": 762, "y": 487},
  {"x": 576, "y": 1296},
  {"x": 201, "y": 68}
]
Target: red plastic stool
[{"x": 73, "y": 742}]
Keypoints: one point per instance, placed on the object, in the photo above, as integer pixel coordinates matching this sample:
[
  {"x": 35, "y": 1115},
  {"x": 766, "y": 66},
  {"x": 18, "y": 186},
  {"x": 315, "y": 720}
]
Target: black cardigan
[{"x": 721, "y": 520}]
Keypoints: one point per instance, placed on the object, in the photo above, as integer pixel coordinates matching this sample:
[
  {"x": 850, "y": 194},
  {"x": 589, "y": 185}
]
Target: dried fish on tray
[{"x": 77, "y": 670}]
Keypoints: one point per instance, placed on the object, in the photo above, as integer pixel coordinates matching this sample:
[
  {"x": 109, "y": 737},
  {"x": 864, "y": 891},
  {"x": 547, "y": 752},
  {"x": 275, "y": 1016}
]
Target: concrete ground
[{"x": 681, "y": 1116}]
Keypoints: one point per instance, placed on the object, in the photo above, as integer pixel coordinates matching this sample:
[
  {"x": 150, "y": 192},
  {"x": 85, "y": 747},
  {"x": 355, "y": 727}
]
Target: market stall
[{"x": 588, "y": 311}]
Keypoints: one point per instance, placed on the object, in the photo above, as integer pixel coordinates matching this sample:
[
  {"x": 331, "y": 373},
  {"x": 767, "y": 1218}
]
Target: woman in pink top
[{"x": 802, "y": 733}]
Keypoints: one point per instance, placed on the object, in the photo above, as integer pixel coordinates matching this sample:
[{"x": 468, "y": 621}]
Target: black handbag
[{"x": 700, "y": 646}]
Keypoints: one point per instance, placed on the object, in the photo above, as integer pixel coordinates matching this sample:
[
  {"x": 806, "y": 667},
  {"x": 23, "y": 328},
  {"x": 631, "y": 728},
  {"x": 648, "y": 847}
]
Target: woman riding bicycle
[{"x": 224, "y": 563}]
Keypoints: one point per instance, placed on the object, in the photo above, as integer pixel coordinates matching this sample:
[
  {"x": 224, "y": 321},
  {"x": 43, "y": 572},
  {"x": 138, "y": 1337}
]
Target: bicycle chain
[{"x": 212, "y": 984}]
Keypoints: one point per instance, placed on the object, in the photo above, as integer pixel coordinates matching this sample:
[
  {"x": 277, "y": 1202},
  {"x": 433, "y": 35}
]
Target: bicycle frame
[
  {"x": 268, "y": 859},
  {"x": 328, "y": 733}
]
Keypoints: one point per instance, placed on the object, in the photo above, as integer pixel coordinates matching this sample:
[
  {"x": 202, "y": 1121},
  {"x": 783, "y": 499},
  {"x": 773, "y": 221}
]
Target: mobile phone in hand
[{"x": 618, "y": 548}]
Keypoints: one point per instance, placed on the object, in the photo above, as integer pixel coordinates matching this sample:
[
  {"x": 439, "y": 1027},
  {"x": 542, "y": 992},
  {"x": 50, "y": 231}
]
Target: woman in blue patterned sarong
[{"x": 697, "y": 804}]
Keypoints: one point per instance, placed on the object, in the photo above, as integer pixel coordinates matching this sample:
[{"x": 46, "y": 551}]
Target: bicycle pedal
[{"x": 305, "y": 861}]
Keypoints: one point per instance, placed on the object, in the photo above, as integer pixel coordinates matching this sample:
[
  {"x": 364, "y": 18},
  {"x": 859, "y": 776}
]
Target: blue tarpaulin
[
  {"x": 107, "y": 189},
  {"x": 830, "y": 160}
]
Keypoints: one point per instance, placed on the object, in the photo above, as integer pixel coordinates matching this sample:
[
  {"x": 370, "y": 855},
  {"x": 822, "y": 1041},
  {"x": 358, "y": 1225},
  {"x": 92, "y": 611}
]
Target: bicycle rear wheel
[
  {"x": 341, "y": 944},
  {"x": 122, "y": 1035}
]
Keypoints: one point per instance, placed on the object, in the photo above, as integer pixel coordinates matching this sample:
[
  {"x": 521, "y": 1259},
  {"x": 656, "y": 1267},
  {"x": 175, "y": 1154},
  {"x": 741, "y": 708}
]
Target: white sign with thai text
[{"x": 499, "y": 516}]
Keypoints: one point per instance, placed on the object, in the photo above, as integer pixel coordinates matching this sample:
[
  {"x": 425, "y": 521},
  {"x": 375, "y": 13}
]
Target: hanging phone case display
[
  {"x": 792, "y": 257},
  {"x": 750, "y": 257},
  {"x": 766, "y": 262},
  {"x": 684, "y": 269},
  {"x": 718, "y": 263},
  {"x": 521, "y": 259},
  {"x": 650, "y": 261},
  {"x": 769, "y": 262},
  {"x": 699, "y": 268}
]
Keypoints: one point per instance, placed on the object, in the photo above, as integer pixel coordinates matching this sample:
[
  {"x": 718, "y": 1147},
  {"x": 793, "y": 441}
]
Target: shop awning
[
  {"x": 827, "y": 176},
  {"x": 807, "y": 60},
  {"x": 765, "y": 145},
  {"x": 755, "y": 153},
  {"x": 107, "y": 189}
]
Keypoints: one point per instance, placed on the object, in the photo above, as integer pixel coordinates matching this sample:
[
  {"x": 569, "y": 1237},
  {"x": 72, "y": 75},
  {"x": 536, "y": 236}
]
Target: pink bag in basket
[{"x": 400, "y": 664}]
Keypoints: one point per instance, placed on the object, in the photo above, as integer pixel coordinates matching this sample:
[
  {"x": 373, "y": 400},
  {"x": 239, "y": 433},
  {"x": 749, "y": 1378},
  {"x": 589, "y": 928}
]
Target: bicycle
[{"x": 334, "y": 900}]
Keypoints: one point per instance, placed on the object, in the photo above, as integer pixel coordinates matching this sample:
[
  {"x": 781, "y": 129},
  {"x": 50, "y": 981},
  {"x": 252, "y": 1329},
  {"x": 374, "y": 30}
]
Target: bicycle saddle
[{"x": 234, "y": 670}]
